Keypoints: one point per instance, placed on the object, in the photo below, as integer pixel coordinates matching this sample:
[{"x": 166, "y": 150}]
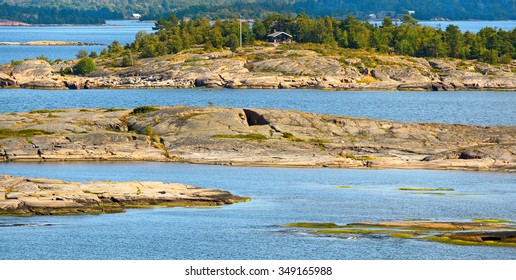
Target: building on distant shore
[
  {"x": 279, "y": 37},
  {"x": 137, "y": 16}
]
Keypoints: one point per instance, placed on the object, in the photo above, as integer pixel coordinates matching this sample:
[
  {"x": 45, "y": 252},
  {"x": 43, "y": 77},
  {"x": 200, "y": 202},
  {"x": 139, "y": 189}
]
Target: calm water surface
[
  {"x": 464, "y": 107},
  {"x": 466, "y": 25},
  {"x": 254, "y": 230},
  {"x": 122, "y": 31}
]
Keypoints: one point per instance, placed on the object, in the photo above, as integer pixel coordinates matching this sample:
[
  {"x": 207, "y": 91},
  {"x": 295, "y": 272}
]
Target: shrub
[
  {"x": 367, "y": 80},
  {"x": 288, "y": 135},
  {"x": 42, "y": 57},
  {"x": 85, "y": 66},
  {"x": 16, "y": 62},
  {"x": 142, "y": 110},
  {"x": 127, "y": 59},
  {"x": 82, "y": 53}
]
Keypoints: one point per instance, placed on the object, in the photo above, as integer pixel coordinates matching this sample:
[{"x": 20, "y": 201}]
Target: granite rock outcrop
[
  {"x": 251, "y": 136},
  {"x": 271, "y": 68},
  {"x": 39, "y": 196}
]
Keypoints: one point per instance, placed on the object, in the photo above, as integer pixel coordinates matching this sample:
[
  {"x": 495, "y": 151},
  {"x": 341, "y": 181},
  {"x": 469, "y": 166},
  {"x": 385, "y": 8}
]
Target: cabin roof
[{"x": 276, "y": 34}]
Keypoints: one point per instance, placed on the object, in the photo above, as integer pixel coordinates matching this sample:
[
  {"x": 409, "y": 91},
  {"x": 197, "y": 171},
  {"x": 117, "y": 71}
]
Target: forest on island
[{"x": 408, "y": 38}]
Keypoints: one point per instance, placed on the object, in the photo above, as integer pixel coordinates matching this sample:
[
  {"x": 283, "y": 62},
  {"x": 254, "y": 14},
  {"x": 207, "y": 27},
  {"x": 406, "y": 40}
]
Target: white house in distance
[
  {"x": 411, "y": 12},
  {"x": 279, "y": 37},
  {"x": 137, "y": 16}
]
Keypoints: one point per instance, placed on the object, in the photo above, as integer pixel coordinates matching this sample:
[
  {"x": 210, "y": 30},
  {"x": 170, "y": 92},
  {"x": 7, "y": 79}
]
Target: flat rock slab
[
  {"x": 252, "y": 137},
  {"x": 30, "y": 196}
]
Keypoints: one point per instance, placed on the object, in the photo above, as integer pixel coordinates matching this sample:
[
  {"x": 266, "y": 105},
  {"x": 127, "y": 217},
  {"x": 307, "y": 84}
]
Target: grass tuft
[
  {"x": 46, "y": 111},
  {"x": 9, "y": 133}
]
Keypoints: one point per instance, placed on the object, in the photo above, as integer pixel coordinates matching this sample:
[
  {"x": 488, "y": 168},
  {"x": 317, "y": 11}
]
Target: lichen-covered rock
[
  {"x": 271, "y": 68},
  {"x": 251, "y": 136},
  {"x": 31, "y": 70}
]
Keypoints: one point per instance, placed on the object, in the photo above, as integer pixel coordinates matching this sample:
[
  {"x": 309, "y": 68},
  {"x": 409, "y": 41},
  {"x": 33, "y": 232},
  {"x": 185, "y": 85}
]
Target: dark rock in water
[
  {"x": 482, "y": 236},
  {"x": 416, "y": 86}
]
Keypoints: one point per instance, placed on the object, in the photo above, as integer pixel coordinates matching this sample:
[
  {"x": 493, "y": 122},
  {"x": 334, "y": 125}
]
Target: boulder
[
  {"x": 441, "y": 65},
  {"x": 209, "y": 80},
  {"x": 400, "y": 74},
  {"x": 31, "y": 70},
  {"x": 43, "y": 84}
]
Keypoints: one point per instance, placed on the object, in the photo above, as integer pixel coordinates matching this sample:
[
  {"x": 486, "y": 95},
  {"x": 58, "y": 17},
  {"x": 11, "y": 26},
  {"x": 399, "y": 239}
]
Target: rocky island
[
  {"x": 269, "y": 67},
  {"x": 473, "y": 233},
  {"x": 48, "y": 43},
  {"x": 251, "y": 136},
  {"x": 38, "y": 196}
]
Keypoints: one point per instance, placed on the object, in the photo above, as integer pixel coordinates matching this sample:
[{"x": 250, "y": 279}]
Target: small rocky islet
[
  {"x": 251, "y": 137},
  {"x": 21, "y": 196},
  {"x": 473, "y": 233}
]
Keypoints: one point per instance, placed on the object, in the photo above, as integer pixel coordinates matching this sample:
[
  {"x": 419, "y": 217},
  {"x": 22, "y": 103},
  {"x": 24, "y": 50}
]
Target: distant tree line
[
  {"x": 57, "y": 15},
  {"x": 408, "y": 38},
  {"x": 425, "y": 9},
  {"x": 95, "y": 11}
]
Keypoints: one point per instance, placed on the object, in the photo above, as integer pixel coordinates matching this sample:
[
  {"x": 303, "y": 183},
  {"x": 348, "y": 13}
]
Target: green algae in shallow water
[
  {"x": 427, "y": 189},
  {"x": 431, "y": 231},
  {"x": 447, "y": 240},
  {"x": 447, "y": 194},
  {"x": 403, "y": 235},
  {"x": 347, "y": 231},
  {"x": 343, "y": 187},
  {"x": 313, "y": 225},
  {"x": 493, "y": 221},
  {"x": 436, "y": 194}
]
